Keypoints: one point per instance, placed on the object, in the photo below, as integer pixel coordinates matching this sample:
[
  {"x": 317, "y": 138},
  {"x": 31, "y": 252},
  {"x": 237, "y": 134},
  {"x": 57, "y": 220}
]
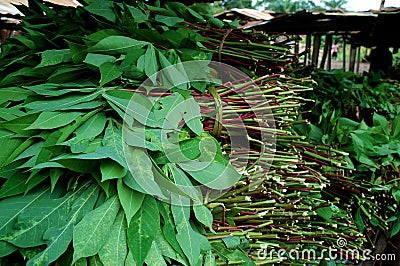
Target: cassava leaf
[
  {"x": 142, "y": 230},
  {"x": 58, "y": 239},
  {"x": 212, "y": 174},
  {"x": 115, "y": 250},
  {"x": 130, "y": 199},
  {"x": 116, "y": 45},
  {"x": 151, "y": 64},
  {"x": 112, "y": 145},
  {"x": 14, "y": 185},
  {"x": 12, "y": 207},
  {"x": 92, "y": 232},
  {"x": 110, "y": 170},
  {"x": 186, "y": 236},
  {"x": 169, "y": 21},
  {"x": 55, "y": 57},
  {"x": 109, "y": 72},
  {"x": 155, "y": 256},
  {"x": 51, "y": 120},
  {"x": 103, "y": 9},
  {"x": 203, "y": 215},
  {"x": 192, "y": 116},
  {"x": 92, "y": 127},
  {"x": 33, "y": 222},
  {"x": 98, "y": 59}
]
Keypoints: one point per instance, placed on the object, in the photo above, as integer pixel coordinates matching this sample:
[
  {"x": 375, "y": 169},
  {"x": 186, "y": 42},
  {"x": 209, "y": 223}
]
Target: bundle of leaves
[
  {"x": 281, "y": 204},
  {"x": 371, "y": 139},
  {"x": 355, "y": 96},
  {"x": 67, "y": 194}
]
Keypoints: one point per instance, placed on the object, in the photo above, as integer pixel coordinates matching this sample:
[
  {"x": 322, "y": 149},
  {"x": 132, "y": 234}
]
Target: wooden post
[
  {"x": 327, "y": 50},
  {"x": 344, "y": 52},
  {"x": 382, "y": 4},
  {"x": 308, "y": 46},
  {"x": 296, "y": 51},
  {"x": 352, "y": 62},
  {"x": 315, "y": 52},
  {"x": 358, "y": 59}
]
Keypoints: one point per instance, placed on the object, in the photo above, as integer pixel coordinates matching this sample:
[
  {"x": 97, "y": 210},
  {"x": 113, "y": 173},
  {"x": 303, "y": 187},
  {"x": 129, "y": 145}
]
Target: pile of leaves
[
  {"x": 360, "y": 115},
  {"x": 355, "y": 96},
  {"x": 70, "y": 189}
]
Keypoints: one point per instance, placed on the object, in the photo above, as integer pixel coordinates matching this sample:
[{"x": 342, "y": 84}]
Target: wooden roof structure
[
  {"x": 367, "y": 28},
  {"x": 8, "y": 6}
]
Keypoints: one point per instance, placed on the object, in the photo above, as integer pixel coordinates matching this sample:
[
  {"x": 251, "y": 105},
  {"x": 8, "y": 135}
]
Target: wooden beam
[
  {"x": 352, "y": 63},
  {"x": 308, "y": 46},
  {"x": 315, "y": 51},
  {"x": 344, "y": 52},
  {"x": 382, "y": 4},
  {"x": 358, "y": 59},
  {"x": 327, "y": 50}
]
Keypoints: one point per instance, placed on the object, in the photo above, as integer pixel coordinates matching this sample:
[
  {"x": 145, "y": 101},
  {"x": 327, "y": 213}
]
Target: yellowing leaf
[
  {"x": 115, "y": 250},
  {"x": 92, "y": 232},
  {"x": 143, "y": 229}
]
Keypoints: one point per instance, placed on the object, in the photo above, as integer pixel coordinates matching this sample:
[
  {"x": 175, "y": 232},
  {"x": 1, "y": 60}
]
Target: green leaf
[
  {"x": 209, "y": 259},
  {"x": 112, "y": 145},
  {"x": 92, "y": 232},
  {"x": 203, "y": 215},
  {"x": 151, "y": 64},
  {"x": 143, "y": 229},
  {"x": 395, "y": 228},
  {"x": 55, "y": 57},
  {"x": 14, "y": 94},
  {"x": 17, "y": 125},
  {"x": 10, "y": 113},
  {"x": 169, "y": 21},
  {"x": 62, "y": 103},
  {"x": 95, "y": 261},
  {"x": 141, "y": 168},
  {"x": 396, "y": 127},
  {"x": 102, "y": 8},
  {"x": 34, "y": 221},
  {"x": 78, "y": 51},
  {"x": 129, "y": 260},
  {"x": 92, "y": 127},
  {"x": 192, "y": 116},
  {"x": 115, "y": 250},
  {"x": 109, "y": 72},
  {"x": 130, "y": 199},
  {"x": 14, "y": 185},
  {"x": 51, "y": 120},
  {"x": 212, "y": 174},
  {"x": 168, "y": 228},
  {"x": 168, "y": 251},
  {"x": 155, "y": 256},
  {"x": 58, "y": 239},
  {"x": 6, "y": 249},
  {"x": 98, "y": 59},
  {"x": 325, "y": 212},
  {"x": 110, "y": 170},
  {"x": 185, "y": 185},
  {"x": 53, "y": 89},
  {"x": 8, "y": 144},
  {"x": 116, "y": 45},
  {"x": 12, "y": 207},
  {"x": 186, "y": 236},
  {"x": 138, "y": 15}
]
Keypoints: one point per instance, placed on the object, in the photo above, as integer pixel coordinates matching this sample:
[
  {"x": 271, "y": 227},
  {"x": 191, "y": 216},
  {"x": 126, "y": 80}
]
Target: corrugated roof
[{"x": 7, "y": 6}]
